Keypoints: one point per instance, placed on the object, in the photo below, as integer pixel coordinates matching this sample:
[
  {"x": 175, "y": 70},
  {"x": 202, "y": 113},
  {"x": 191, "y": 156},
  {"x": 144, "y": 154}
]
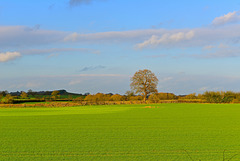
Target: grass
[{"x": 122, "y": 132}]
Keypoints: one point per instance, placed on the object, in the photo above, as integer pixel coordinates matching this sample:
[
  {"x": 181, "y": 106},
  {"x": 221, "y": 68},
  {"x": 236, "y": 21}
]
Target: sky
[{"x": 97, "y": 45}]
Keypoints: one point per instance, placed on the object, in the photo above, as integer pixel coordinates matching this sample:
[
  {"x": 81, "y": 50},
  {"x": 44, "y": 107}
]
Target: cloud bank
[
  {"x": 18, "y": 38},
  {"x": 196, "y": 37}
]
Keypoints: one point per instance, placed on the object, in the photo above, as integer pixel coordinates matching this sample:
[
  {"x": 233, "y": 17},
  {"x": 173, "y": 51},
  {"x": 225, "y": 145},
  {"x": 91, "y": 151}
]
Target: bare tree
[{"x": 144, "y": 82}]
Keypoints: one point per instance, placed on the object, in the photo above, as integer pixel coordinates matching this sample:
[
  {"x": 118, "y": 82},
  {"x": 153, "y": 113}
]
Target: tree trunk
[{"x": 145, "y": 97}]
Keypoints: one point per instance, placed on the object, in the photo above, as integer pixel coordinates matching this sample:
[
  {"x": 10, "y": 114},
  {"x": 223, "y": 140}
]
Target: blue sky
[{"x": 97, "y": 45}]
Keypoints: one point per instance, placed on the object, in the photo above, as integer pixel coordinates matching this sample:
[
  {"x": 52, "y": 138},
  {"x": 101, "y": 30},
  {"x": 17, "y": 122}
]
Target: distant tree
[
  {"x": 55, "y": 94},
  {"x": 4, "y": 93},
  {"x": 31, "y": 93},
  {"x": 24, "y": 95},
  {"x": 144, "y": 82}
]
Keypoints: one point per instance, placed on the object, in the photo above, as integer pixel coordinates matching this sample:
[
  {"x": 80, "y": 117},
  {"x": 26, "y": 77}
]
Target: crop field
[{"x": 168, "y": 132}]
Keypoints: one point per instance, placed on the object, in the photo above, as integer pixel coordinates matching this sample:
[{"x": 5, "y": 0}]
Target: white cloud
[
  {"x": 231, "y": 17},
  {"x": 4, "y": 57},
  {"x": 167, "y": 39}
]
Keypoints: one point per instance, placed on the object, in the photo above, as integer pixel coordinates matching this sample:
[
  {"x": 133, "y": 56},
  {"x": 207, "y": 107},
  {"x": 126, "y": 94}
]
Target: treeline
[
  {"x": 128, "y": 98},
  {"x": 41, "y": 96},
  {"x": 206, "y": 97}
]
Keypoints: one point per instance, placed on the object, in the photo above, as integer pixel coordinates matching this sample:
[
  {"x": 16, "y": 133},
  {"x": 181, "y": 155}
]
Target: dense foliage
[{"x": 144, "y": 82}]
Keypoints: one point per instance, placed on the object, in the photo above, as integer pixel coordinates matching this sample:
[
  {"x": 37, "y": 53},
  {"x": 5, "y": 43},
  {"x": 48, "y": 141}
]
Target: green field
[{"x": 121, "y": 132}]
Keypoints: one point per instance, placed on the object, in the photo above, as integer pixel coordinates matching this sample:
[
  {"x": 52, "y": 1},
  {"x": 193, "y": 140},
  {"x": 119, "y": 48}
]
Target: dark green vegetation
[{"x": 121, "y": 132}]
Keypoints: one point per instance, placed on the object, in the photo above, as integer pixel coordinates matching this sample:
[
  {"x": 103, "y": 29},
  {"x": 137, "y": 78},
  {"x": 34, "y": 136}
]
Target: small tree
[
  {"x": 24, "y": 95},
  {"x": 144, "y": 82}
]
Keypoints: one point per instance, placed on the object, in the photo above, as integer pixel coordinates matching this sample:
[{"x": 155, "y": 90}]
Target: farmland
[{"x": 121, "y": 132}]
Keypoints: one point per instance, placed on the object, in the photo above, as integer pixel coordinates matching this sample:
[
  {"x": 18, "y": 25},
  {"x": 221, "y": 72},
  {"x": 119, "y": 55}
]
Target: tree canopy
[{"x": 144, "y": 82}]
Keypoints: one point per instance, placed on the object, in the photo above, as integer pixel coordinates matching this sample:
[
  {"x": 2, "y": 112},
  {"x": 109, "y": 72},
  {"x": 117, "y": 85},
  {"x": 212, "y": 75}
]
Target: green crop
[{"x": 164, "y": 132}]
